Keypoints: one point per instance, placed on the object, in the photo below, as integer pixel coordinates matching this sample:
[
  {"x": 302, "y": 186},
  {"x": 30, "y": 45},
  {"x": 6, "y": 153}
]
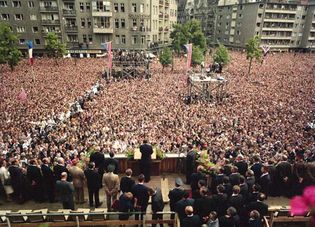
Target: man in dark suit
[
  {"x": 65, "y": 191},
  {"x": 220, "y": 200},
  {"x": 241, "y": 165},
  {"x": 190, "y": 220},
  {"x": 176, "y": 194},
  {"x": 264, "y": 180},
  {"x": 218, "y": 179},
  {"x": 112, "y": 161},
  {"x": 141, "y": 196},
  {"x": 195, "y": 177},
  {"x": 34, "y": 176},
  {"x": 180, "y": 206},
  {"x": 205, "y": 204},
  {"x": 250, "y": 179},
  {"x": 157, "y": 204},
  {"x": 256, "y": 167},
  {"x": 145, "y": 162},
  {"x": 60, "y": 168},
  {"x": 237, "y": 200},
  {"x": 93, "y": 184},
  {"x": 284, "y": 176},
  {"x": 259, "y": 205},
  {"x": 126, "y": 182},
  {"x": 235, "y": 176},
  {"x": 16, "y": 181},
  {"x": 243, "y": 187},
  {"x": 48, "y": 180},
  {"x": 190, "y": 163},
  {"x": 99, "y": 160}
]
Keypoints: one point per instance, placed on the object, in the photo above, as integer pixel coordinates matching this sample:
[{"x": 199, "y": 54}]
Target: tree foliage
[
  {"x": 54, "y": 46},
  {"x": 190, "y": 32},
  {"x": 197, "y": 56},
  {"x": 9, "y": 52},
  {"x": 165, "y": 57},
  {"x": 221, "y": 55},
  {"x": 253, "y": 50}
]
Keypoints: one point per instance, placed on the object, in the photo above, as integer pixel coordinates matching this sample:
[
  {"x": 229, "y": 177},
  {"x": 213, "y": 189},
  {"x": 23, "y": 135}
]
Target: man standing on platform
[
  {"x": 93, "y": 184},
  {"x": 111, "y": 186},
  {"x": 145, "y": 162},
  {"x": 65, "y": 190}
]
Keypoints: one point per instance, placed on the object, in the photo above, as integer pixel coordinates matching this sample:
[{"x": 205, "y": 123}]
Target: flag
[
  {"x": 30, "y": 52},
  {"x": 189, "y": 54},
  {"x": 110, "y": 54},
  {"x": 22, "y": 95}
]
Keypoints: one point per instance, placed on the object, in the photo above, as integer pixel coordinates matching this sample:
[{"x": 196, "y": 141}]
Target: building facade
[
  {"x": 87, "y": 24},
  {"x": 280, "y": 25}
]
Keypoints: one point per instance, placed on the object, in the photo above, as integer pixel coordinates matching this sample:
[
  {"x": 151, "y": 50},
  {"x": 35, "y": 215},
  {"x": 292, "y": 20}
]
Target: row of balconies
[
  {"x": 48, "y": 9},
  {"x": 50, "y": 22}
]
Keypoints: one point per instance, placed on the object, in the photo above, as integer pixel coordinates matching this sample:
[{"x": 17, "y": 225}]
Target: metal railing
[{"x": 77, "y": 218}]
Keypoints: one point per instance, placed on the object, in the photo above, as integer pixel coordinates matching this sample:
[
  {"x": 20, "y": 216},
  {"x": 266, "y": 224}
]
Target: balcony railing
[
  {"x": 71, "y": 29},
  {"x": 69, "y": 12},
  {"x": 161, "y": 2},
  {"x": 48, "y": 8},
  {"x": 161, "y": 15},
  {"x": 140, "y": 29},
  {"x": 103, "y": 30},
  {"x": 49, "y": 22}
]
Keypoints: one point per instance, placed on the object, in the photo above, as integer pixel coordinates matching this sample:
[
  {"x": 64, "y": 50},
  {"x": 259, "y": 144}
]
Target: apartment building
[
  {"x": 87, "y": 24},
  {"x": 282, "y": 26}
]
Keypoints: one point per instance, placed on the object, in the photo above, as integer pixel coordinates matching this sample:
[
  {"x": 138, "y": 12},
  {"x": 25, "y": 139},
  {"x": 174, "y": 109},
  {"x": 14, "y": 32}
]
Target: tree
[
  {"x": 165, "y": 57},
  {"x": 221, "y": 55},
  {"x": 9, "y": 52},
  {"x": 253, "y": 51},
  {"x": 190, "y": 32},
  {"x": 54, "y": 46},
  {"x": 197, "y": 56}
]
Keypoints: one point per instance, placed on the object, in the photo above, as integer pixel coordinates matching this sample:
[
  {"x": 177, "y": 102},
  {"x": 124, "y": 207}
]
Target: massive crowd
[{"x": 268, "y": 117}]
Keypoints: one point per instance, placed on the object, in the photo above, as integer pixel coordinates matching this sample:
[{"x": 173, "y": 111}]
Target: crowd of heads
[{"x": 266, "y": 113}]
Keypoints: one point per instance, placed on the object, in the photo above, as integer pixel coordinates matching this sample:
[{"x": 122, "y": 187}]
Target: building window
[
  {"x": 122, "y": 7},
  {"x": 22, "y": 41},
  {"x": 88, "y": 6},
  {"x": 37, "y": 41},
  {"x": 19, "y": 17},
  {"x": 90, "y": 38},
  {"x": 16, "y": 4},
  {"x": 116, "y": 7},
  {"x": 117, "y": 38},
  {"x": 123, "y": 39},
  {"x": 33, "y": 17},
  {"x": 20, "y": 29},
  {"x": 123, "y": 23},
  {"x": 141, "y": 8},
  {"x": 5, "y": 16},
  {"x": 134, "y": 22},
  {"x": 35, "y": 29},
  {"x": 82, "y": 22},
  {"x": 134, "y": 7},
  {"x": 142, "y": 39},
  {"x": 84, "y": 38},
  {"x": 134, "y": 39},
  {"x": 31, "y": 4},
  {"x": 116, "y": 23},
  {"x": 3, "y": 4},
  {"x": 81, "y": 6},
  {"x": 89, "y": 22}
]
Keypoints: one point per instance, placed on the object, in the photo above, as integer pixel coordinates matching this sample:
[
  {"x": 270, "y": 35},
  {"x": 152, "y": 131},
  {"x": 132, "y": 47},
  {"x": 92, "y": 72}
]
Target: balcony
[
  {"x": 270, "y": 37},
  {"x": 160, "y": 29},
  {"x": 71, "y": 29},
  {"x": 284, "y": 20},
  {"x": 50, "y": 22},
  {"x": 161, "y": 3},
  {"x": 102, "y": 30},
  {"x": 69, "y": 12},
  {"x": 280, "y": 11},
  {"x": 167, "y": 16},
  {"x": 100, "y": 13},
  {"x": 161, "y": 15},
  {"x": 277, "y": 29},
  {"x": 140, "y": 29},
  {"x": 167, "y": 3},
  {"x": 48, "y": 9},
  {"x": 45, "y": 32}
]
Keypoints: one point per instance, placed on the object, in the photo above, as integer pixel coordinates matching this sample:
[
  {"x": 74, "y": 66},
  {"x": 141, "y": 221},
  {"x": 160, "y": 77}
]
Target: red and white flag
[
  {"x": 110, "y": 54},
  {"x": 22, "y": 95},
  {"x": 189, "y": 54},
  {"x": 30, "y": 52}
]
